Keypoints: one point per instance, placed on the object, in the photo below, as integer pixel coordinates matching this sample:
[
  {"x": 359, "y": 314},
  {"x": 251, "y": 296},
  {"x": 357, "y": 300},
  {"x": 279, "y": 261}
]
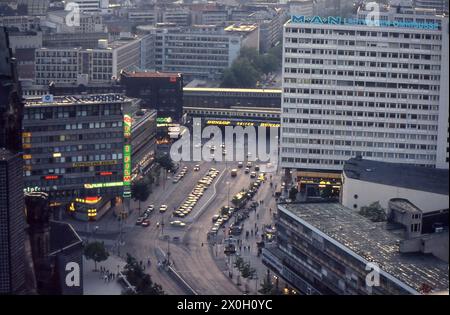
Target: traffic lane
[
  {"x": 193, "y": 259},
  {"x": 142, "y": 241}
]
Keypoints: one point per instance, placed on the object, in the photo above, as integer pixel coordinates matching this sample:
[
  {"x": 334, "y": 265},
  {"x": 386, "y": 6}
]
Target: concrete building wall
[{"x": 367, "y": 193}]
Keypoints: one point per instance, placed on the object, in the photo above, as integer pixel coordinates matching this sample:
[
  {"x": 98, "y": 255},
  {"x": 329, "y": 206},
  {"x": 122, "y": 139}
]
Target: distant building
[
  {"x": 100, "y": 65},
  {"x": 199, "y": 52},
  {"x": 65, "y": 151},
  {"x": 23, "y": 23},
  {"x": 35, "y": 7},
  {"x": 24, "y": 45},
  {"x": 88, "y": 23},
  {"x": 248, "y": 31},
  {"x": 326, "y": 248},
  {"x": 159, "y": 91},
  {"x": 178, "y": 16},
  {"x": 89, "y": 6},
  {"x": 366, "y": 181},
  {"x": 12, "y": 218}
]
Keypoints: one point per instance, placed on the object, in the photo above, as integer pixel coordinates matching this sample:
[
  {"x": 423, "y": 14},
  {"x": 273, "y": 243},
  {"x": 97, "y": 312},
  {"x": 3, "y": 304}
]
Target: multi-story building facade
[
  {"x": 22, "y": 22},
  {"x": 88, "y": 23},
  {"x": 69, "y": 65},
  {"x": 325, "y": 248},
  {"x": 202, "y": 51},
  {"x": 159, "y": 91},
  {"x": 74, "y": 145},
  {"x": 377, "y": 91},
  {"x": 35, "y": 7},
  {"x": 178, "y": 16},
  {"x": 88, "y": 6},
  {"x": 12, "y": 218}
]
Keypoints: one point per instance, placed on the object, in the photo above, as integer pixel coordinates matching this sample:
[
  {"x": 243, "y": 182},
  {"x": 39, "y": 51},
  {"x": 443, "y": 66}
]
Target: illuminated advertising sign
[
  {"x": 241, "y": 123},
  {"x": 97, "y": 163},
  {"x": 103, "y": 185},
  {"x": 127, "y": 165},
  {"x": 127, "y": 126},
  {"x": 337, "y": 20},
  {"x": 218, "y": 122},
  {"x": 164, "y": 120},
  {"x": 270, "y": 125}
]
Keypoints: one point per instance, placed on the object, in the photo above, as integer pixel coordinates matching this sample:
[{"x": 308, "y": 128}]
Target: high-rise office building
[
  {"x": 12, "y": 220},
  {"x": 376, "y": 90},
  {"x": 74, "y": 148},
  {"x": 100, "y": 65}
]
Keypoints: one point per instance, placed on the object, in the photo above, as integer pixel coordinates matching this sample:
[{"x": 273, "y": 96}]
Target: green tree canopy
[
  {"x": 141, "y": 281},
  {"x": 374, "y": 212},
  {"x": 140, "y": 190},
  {"x": 166, "y": 162},
  {"x": 293, "y": 193},
  {"x": 96, "y": 251}
]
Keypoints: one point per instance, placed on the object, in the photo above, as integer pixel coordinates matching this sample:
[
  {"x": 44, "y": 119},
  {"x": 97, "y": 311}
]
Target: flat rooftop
[
  {"x": 88, "y": 99},
  {"x": 399, "y": 175},
  {"x": 374, "y": 243},
  {"x": 150, "y": 74},
  {"x": 230, "y": 90},
  {"x": 241, "y": 28}
]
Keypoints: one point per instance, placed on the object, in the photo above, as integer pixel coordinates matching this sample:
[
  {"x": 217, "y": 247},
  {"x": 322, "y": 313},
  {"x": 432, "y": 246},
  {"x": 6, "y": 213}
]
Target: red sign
[
  {"x": 51, "y": 177},
  {"x": 173, "y": 79},
  {"x": 105, "y": 173}
]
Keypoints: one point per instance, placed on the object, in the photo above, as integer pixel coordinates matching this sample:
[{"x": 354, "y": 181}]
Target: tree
[
  {"x": 267, "y": 286},
  {"x": 374, "y": 212},
  {"x": 293, "y": 193},
  {"x": 166, "y": 162},
  {"x": 140, "y": 190},
  {"x": 96, "y": 251},
  {"x": 141, "y": 281},
  {"x": 228, "y": 79},
  {"x": 238, "y": 263},
  {"x": 247, "y": 271}
]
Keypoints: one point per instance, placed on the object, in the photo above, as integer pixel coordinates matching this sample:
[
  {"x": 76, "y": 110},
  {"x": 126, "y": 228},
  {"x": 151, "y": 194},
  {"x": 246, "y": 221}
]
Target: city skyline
[{"x": 224, "y": 148}]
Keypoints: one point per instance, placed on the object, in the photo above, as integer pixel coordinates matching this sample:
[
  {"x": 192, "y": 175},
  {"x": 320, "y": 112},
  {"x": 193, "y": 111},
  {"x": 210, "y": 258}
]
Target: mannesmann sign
[{"x": 337, "y": 20}]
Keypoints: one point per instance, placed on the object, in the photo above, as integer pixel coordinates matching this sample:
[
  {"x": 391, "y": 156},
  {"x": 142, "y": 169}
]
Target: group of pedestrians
[{"x": 106, "y": 275}]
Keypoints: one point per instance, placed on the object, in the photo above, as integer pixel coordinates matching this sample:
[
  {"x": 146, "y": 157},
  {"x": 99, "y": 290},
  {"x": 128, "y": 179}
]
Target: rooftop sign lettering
[{"x": 337, "y": 20}]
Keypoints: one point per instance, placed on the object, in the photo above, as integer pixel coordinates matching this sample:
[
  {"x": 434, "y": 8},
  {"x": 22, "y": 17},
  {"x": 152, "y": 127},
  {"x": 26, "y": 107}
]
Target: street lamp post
[{"x": 228, "y": 194}]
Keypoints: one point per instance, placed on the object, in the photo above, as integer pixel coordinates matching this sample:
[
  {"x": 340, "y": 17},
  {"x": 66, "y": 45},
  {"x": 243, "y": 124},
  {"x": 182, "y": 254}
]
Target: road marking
[{"x": 207, "y": 202}]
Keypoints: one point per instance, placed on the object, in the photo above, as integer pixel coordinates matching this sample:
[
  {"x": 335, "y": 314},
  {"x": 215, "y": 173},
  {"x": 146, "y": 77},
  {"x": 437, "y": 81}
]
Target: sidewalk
[
  {"x": 94, "y": 283},
  {"x": 261, "y": 217}
]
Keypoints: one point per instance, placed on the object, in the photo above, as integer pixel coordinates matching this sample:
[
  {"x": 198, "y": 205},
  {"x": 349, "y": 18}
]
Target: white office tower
[{"x": 378, "y": 90}]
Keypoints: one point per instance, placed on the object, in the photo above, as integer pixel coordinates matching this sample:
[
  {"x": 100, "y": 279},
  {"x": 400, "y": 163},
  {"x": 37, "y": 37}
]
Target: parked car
[{"x": 139, "y": 220}]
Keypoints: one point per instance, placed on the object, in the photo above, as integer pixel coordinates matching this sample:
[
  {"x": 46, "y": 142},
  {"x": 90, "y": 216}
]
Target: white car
[
  {"x": 163, "y": 208},
  {"x": 177, "y": 223}
]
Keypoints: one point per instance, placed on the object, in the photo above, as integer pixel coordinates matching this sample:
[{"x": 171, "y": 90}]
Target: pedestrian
[
  {"x": 270, "y": 210},
  {"x": 257, "y": 216}
]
